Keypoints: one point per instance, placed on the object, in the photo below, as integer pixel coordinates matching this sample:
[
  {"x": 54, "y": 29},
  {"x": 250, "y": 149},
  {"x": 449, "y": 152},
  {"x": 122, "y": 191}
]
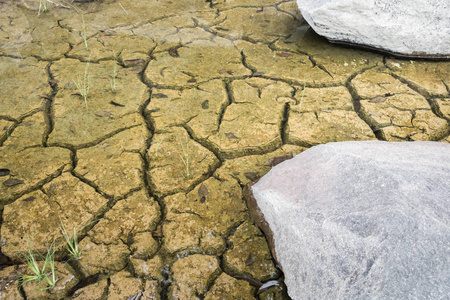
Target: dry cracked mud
[{"x": 137, "y": 124}]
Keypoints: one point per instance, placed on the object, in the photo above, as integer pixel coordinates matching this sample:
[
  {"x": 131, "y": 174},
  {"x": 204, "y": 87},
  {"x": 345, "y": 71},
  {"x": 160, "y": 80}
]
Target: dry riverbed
[{"x": 138, "y": 123}]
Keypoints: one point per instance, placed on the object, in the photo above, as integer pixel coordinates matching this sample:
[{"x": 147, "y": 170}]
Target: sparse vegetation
[
  {"x": 83, "y": 33},
  {"x": 44, "y": 275},
  {"x": 159, "y": 141},
  {"x": 71, "y": 241},
  {"x": 9, "y": 129},
  {"x": 83, "y": 84},
  {"x": 122, "y": 7},
  {"x": 303, "y": 95},
  {"x": 185, "y": 157},
  {"x": 42, "y": 6},
  {"x": 113, "y": 80}
]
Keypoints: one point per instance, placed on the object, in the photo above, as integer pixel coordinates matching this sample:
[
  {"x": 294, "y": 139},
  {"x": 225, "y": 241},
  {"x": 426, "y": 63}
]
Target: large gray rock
[
  {"x": 360, "y": 220},
  {"x": 408, "y": 27}
]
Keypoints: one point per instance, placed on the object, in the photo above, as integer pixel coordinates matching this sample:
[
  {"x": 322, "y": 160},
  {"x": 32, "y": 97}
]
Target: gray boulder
[
  {"x": 404, "y": 27},
  {"x": 360, "y": 220}
]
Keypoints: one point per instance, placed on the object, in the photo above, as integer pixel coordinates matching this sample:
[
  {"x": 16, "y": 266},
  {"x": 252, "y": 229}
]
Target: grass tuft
[
  {"x": 83, "y": 33},
  {"x": 122, "y": 7},
  {"x": 303, "y": 95},
  {"x": 83, "y": 84},
  {"x": 185, "y": 157},
  {"x": 42, "y": 6},
  {"x": 71, "y": 241},
  {"x": 113, "y": 80},
  {"x": 46, "y": 274},
  {"x": 159, "y": 142}
]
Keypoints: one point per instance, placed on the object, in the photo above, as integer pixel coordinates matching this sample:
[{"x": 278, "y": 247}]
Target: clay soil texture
[{"x": 137, "y": 124}]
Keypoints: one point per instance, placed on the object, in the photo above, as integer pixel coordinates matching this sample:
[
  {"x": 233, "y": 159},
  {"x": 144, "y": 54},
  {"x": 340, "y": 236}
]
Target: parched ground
[{"x": 186, "y": 103}]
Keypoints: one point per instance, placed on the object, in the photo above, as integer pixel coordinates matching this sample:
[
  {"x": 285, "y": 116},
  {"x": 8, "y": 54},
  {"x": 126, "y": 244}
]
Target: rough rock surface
[
  {"x": 360, "y": 220},
  {"x": 414, "y": 28}
]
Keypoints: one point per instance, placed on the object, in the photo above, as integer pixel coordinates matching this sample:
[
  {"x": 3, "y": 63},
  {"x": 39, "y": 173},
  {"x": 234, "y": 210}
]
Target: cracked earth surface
[{"x": 188, "y": 102}]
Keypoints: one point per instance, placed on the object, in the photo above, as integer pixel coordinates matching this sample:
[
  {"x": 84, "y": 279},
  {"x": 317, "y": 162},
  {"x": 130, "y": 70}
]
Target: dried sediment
[{"x": 151, "y": 170}]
